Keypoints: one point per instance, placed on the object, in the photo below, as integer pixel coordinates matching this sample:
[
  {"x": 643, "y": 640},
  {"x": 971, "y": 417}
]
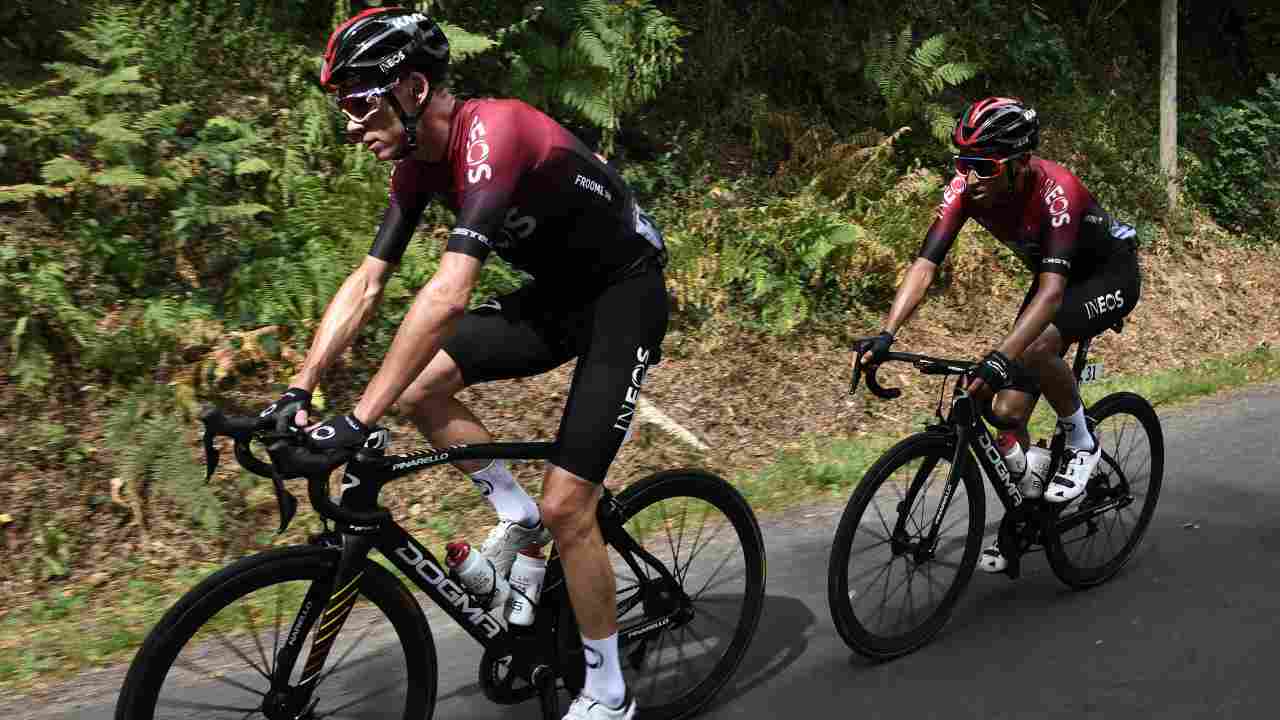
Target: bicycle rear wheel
[
  {"x": 705, "y": 534},
  {"x": 1094, "y": 538},
  {"x": 214, "y": 654},
  {"x": 889, "y": 593}
]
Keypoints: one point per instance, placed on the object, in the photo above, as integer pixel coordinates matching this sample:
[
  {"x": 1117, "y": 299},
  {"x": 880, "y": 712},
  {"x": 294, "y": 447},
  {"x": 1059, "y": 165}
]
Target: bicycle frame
[
  {"x": 362, "y": 482},
  {"x": 973, "y": 435}
]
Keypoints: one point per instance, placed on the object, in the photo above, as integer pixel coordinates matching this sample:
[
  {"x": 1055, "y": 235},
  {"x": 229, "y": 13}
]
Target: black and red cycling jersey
[
  {"x": 1054, "y": 225},
  {"x": 524, "y": 187}
]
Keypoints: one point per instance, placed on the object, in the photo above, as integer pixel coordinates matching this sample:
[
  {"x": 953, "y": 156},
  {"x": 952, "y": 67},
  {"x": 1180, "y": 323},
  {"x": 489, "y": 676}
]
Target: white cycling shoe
[
  {"x": 509, "y": 537},
  {"x": 992, "y": 560},
  {"x": 1070, "y": 483},
  {"x": 585, "y": 707}
]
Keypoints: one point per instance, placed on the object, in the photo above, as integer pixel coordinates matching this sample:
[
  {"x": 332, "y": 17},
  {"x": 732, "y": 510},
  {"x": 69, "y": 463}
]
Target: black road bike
[
  {"x": 911, "y": 534},
  {"x": 323, "y": 631}
]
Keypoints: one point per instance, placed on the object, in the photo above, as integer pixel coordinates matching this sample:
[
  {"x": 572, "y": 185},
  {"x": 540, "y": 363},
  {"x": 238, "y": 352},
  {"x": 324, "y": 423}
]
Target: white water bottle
[
  {"x": 475, "y": 573},
  {"x": 1037, "y": 475},
  {"x": 1011, "y": 450},
  {"x": 527, "y": 573}
]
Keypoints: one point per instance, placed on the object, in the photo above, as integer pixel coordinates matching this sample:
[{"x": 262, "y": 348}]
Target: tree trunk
[{"x": 1169, "y": 97}]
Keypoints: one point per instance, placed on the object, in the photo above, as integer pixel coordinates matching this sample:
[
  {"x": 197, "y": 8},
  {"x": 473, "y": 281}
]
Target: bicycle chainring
[{"x": 504, "y": 676}]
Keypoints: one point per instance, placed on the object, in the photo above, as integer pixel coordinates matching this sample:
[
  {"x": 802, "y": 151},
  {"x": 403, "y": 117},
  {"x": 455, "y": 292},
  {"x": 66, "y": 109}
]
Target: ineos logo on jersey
[
  {"x": 632, "y": 396},
  {"x": 517, "y": 226},
  {"x": 1056, "y": 198},
  {"x": 477, "y": 154},
  {"x": 954, "y": 190},
  {"x": 1104, "y": 303},
  {"x": 324, "y": 432}
]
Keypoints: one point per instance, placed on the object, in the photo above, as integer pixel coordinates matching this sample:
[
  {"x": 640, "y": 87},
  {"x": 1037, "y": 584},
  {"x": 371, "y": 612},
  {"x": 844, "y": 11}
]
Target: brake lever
[
  {"x": 858, "y": 350},
  {"x": 288, "y": 504},
  {"x": 210, "y": 455}
]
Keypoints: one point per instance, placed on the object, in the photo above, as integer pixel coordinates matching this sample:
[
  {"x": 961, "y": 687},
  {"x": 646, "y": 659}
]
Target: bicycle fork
[{"x": 325, "y": 608}]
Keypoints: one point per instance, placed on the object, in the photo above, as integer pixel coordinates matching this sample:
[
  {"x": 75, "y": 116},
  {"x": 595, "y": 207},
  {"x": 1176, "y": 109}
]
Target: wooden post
[{"x": 1169, "y": 97}]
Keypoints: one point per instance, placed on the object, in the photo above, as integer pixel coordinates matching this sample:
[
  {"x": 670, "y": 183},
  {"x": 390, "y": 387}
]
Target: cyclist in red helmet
[
  {"x": 526, "y": 189},
  {"x": 1085, "y": 278}
]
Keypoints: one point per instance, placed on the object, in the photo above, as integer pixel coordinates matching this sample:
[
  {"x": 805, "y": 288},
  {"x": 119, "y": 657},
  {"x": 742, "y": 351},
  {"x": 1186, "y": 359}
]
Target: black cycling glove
[
  {"x": 284, "y": 409},
  {"x": 995, "y": 370},
  {"x": 878, "y": 348},
  {"x": 338, "y": 437}
]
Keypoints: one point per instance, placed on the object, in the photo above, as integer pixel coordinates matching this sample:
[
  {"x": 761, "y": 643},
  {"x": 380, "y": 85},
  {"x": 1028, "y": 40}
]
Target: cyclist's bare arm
[
  {"x": 911, "y": 293},
  {"x": 1039, "y": 313},
  {"x": 353, "y": 305},
  {"x": 430, "y": 321}
]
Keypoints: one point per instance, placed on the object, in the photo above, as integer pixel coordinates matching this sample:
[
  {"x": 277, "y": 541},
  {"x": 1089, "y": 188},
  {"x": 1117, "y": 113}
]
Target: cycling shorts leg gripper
[{"x": 626, "y": 324}]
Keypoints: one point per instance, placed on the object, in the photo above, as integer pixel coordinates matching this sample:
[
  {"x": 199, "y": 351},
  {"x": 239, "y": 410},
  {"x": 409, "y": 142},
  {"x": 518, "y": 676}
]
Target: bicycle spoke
[
  {"x": 275, "y": 639},
  {"x": 698, "y": 639},
  {"x": 684, "y": 513},
  {"x": 698, "y": 550},
  {"x": 727, "y": 557},
  {"x": 738, "y": 574},
  {"x": 189, "y": 705},
  {"x": 336, "y": 712},
  {"x": 337, "y": 664},
  {"x": 885, "y": 523},
  {"x": 190, "y": 666},
  {"x": 253, "y": 631},
  {"x": 884, "y": 539},
  {"x": 882, "y": 569},
  {"x": 666, "y": 529},
  {"x": 222, "y": 640}
]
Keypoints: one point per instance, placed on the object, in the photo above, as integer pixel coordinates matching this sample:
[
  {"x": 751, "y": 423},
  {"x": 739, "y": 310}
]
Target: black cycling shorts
[
  {"x": 615, "y": 334},
  {"x": 1090, "y": 306}
]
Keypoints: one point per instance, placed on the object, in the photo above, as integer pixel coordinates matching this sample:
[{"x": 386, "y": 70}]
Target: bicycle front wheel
[
  {"x": 215, "y": 653},
  {"x": 890, "y": 586},
  {"x": 703, "y": 532},
  {"x": 1094, "y": 538}
]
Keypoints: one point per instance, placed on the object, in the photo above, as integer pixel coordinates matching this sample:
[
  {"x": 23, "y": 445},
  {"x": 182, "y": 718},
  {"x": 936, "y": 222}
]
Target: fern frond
[
  {"x": 163, "y": 119},
  {"x": 121, "y": 177},
  {"x": 464, "y": 44},
  {"x": 930, "y": 52},
  {"x": 63, "y": 169},
  {"x": 111, "y": 128}
]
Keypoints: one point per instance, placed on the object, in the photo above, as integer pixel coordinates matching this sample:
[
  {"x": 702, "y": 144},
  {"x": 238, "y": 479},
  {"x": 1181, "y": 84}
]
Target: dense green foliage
[
  {"x": 1239, "y": 178},
  {"x": 172, "y": 174}
]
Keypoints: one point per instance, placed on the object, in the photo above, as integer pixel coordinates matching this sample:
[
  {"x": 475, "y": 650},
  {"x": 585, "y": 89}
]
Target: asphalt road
[{"x": 1188, "y": 630}]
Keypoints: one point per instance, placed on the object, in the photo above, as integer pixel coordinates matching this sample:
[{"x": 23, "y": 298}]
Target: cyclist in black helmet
[
  {"x": 1085, "y": 279},
  {"x": 526, "y": 189}
]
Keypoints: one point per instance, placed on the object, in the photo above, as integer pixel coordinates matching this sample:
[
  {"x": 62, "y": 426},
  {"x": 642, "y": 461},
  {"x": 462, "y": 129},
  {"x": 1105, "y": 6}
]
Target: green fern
[
  {"x": 597, "y": 59},
  {"x": 150, "y": 454},
  {"x": 907, "y": 79}
]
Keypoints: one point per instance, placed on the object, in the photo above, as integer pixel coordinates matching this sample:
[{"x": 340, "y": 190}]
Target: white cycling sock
[
  {"x": 604, "y": 673},
  {"x": 506, "y": 496},
  {"x": 1077, "y": 430}
]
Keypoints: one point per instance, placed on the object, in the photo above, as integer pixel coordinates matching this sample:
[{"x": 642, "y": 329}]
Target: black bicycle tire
[
  {"x": 688, "y": 482},
  {"x": 151, "y": 664},
  {"x": 855, "y": 635},
  {"x": 1059, "y": 562}
]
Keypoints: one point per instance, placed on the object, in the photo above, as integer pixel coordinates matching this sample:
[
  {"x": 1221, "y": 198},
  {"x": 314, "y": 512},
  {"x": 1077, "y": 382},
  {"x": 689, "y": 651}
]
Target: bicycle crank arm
[{"x": 1085, "y": 515}]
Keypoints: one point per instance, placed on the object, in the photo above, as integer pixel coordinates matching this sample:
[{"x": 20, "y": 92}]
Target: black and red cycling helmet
[
  {"x": 376, "y": 45},
  {"x": 374, "y": 48},
  {"x": 997, "y": 127}
]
